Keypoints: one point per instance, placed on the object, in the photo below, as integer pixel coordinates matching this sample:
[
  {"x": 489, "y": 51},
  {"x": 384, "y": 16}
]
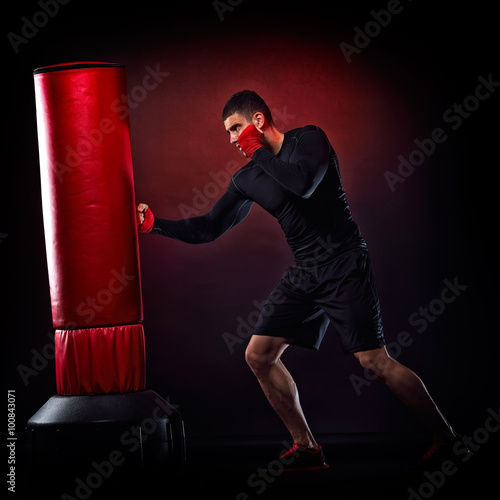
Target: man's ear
[{"x": 259, "y": 121}]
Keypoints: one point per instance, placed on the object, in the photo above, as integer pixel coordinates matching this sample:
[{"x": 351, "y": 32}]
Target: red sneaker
[
  {"x": 438, "y": 453},
  {"x": 298, "y": 458}
]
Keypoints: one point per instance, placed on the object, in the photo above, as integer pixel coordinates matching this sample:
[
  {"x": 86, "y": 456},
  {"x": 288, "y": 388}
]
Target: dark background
[{"x": 439, "y": 224}]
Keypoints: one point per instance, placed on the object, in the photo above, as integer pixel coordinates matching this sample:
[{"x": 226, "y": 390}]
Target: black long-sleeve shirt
[{"x": 300, "y": 187}]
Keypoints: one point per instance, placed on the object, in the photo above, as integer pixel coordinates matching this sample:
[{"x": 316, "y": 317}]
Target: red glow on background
[
  {"x": 178, "y": 136},
  {"x": 183, "y": 159}
]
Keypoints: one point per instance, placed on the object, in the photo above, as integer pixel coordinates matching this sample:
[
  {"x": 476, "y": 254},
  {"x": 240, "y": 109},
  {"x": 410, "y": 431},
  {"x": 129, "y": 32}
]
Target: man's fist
[
  {"x": 145, "y": 218},
  {"x": 249, "y": 140}
]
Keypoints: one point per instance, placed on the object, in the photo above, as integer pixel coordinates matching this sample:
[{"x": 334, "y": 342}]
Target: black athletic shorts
[{"x": 342, "y": 291}]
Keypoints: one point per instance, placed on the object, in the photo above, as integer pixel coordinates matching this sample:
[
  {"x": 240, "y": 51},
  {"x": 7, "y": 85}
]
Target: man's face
[{"x": 235, "y": 124}]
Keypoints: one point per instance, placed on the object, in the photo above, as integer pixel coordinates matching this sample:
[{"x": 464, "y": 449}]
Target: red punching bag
[
  {"x": 90, "y": 228},
  {"x": 95, "y": 288}
]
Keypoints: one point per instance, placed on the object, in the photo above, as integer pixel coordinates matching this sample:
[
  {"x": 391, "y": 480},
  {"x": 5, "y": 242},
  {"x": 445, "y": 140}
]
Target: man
[{"x": 295, "y": 177}]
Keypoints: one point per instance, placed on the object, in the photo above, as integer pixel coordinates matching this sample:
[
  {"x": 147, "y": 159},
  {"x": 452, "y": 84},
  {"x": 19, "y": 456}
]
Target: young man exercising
[{"x": 295, "y": 177}]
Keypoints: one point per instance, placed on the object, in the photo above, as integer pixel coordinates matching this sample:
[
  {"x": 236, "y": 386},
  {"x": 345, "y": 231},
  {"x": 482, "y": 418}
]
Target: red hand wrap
[
  {"x": 249, "y": 140},
  {"x": 149, "y": 222}
]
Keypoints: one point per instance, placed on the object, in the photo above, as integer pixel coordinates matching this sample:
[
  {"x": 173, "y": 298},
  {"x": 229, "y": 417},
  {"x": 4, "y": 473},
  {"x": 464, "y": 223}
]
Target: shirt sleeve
[
  {"x": 227, "y": 212},
  {"x": 306, "y": 167}
]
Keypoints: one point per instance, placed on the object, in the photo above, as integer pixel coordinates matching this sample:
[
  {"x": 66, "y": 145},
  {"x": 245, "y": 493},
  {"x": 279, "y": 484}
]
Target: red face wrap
[{"x": 249, "y": 140}]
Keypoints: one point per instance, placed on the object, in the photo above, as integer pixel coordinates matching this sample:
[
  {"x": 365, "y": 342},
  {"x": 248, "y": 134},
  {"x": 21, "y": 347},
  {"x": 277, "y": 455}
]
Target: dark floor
[{"x": 362, "y": 466}]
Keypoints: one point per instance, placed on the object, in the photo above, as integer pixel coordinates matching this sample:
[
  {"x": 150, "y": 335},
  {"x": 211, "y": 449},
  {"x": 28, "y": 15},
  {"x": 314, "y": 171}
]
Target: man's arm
[
  {"x": 227, "y": 212},
  {"x": 306, "y": 167},
  {"x": 307, "y": 164}
]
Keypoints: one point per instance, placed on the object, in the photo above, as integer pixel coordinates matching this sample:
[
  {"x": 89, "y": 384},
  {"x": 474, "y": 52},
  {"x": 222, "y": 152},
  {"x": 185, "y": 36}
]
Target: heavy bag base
[{"x": 103, "y": 437}]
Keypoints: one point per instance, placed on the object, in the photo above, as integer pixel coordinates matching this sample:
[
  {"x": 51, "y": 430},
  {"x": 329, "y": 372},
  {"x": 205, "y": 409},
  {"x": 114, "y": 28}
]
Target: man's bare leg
[
  {"x": 263, "y": 356},
  {"x": 409, "y": 389}
]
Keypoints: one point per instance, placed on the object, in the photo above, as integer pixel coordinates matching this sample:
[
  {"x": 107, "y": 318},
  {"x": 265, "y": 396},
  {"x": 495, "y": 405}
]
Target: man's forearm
[
  {"x": 227, "y": 212},
  {"x": 195, "y": 230}
]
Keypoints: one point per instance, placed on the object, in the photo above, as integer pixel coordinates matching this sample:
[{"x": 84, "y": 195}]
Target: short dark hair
[{"x": 246, "y": 103}]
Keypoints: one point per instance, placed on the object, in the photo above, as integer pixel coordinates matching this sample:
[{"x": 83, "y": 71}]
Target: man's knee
[
  {"x": 258, "y": 361},
  {"x": 262, "y": 353},
  {"x": 253, "y": 359}
]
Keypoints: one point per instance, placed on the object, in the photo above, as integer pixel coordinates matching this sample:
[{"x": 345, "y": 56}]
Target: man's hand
[
  {"x": 250, "y": 140},
  {"x": 145, "y": 218}
]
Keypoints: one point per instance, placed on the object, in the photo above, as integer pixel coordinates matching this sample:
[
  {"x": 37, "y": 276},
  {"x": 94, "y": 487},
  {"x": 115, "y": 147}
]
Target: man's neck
[{"x": 274, "y": 139}]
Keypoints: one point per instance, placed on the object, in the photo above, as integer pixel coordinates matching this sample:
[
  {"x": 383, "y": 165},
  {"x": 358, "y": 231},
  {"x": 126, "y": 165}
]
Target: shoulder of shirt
[
  {"x": 298, "y": 132},
  {"x": 308, "y": 131},
  {"x": 242, "y": 170}
]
